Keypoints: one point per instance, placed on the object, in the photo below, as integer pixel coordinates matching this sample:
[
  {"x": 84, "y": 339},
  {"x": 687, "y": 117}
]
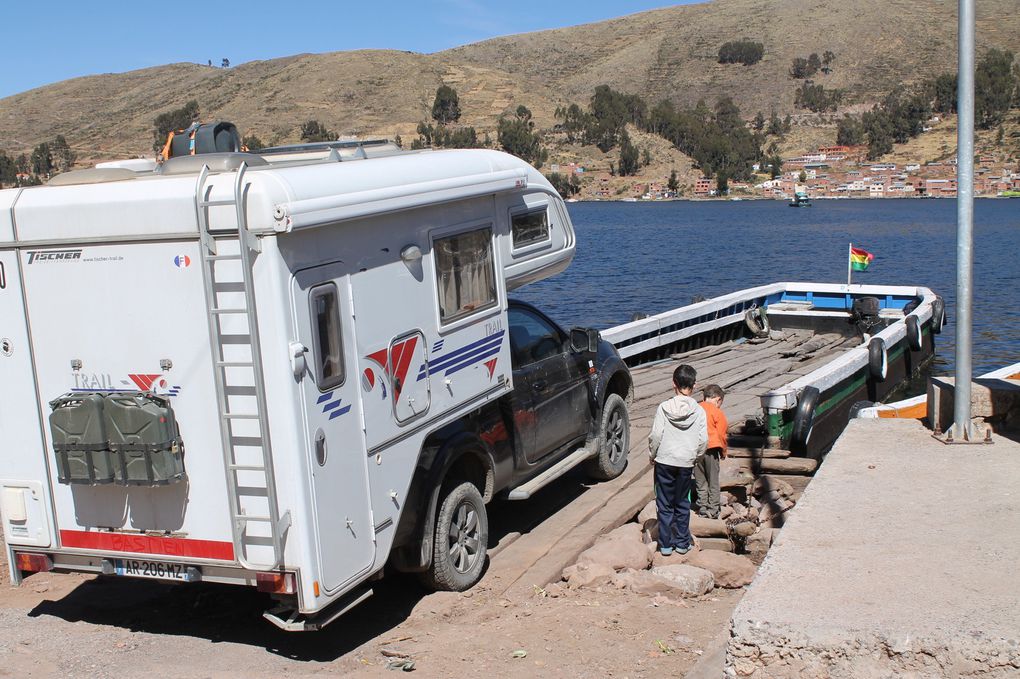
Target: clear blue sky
[{"x": 46, "y": 42}]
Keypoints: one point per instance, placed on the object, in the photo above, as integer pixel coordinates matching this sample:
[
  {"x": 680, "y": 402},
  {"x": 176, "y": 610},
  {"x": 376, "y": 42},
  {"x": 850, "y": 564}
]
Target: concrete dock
[{"x": 901, "y": 559}]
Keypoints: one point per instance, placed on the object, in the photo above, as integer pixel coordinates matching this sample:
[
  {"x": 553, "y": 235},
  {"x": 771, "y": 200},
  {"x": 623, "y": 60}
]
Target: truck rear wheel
[
  {"x": 613, "y": 441},
  {"x": 461, "y": 540}
]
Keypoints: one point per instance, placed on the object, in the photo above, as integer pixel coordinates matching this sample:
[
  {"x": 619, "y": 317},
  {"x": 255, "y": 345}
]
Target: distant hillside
[{"x": 879, "y": 46}]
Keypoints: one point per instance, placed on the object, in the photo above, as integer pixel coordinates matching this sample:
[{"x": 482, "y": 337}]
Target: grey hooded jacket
[{"x": 679, "y": 432}]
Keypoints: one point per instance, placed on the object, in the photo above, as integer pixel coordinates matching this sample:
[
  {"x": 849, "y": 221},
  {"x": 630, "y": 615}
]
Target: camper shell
[{"x": 277, "y": 369}]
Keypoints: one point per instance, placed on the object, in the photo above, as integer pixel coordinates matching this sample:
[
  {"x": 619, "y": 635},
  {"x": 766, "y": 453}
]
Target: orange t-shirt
[{"x": 717, "y": 425}]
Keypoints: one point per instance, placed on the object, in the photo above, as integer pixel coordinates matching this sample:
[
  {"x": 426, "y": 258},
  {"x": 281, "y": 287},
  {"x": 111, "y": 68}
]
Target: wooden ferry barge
[{"x": 793, "y": 358}]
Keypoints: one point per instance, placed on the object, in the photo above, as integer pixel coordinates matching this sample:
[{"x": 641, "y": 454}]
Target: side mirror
[{"x": 584, "y": 340}]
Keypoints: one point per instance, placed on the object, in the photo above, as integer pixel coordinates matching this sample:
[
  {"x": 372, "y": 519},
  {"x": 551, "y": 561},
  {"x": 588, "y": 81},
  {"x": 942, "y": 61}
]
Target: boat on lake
[
  {"x": 800, "y": 199},
  {"x": 793, "y": 358}
]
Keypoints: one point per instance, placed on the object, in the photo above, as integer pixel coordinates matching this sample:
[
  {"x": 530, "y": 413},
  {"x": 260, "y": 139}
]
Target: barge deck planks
[{"x": 746, "y": 370}]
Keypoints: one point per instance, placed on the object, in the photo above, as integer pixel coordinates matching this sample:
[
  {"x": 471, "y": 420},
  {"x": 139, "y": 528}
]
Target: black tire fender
[
  {"x": 613, "y": 440},
  {"x": 459, "y": 552},
  {"x": 803, "y": 419},
  {"x": 914, "y": 340},
  {"x": 878, "y": 359},
  {"x": 757, "y": 321},
  {"x": 938, "y": 315}
]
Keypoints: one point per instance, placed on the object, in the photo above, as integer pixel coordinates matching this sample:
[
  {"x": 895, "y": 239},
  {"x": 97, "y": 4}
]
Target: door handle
[
  {"x": 320, "y": 448},
  {"x": 539, "y": 385}
]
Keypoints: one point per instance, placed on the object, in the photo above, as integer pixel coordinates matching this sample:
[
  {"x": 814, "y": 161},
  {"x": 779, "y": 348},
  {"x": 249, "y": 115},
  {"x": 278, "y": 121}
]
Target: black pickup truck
[{"x": 568, "y": 408}]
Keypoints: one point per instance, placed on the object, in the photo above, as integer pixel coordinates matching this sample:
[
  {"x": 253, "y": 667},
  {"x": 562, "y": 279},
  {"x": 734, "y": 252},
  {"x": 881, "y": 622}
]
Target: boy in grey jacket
[{"x": 679, "y": 435}]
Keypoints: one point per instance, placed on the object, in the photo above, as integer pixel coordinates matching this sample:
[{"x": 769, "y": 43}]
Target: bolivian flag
[{"x": 860, "y": 259}]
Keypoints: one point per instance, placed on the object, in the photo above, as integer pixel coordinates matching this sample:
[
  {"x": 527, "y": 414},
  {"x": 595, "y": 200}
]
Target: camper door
[{"x": 335, "y": 440}]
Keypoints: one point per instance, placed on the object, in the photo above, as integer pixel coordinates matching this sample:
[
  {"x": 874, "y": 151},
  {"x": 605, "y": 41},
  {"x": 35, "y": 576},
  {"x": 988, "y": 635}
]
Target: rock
[
  {"x": 729, "y": 570},
  {"x": 757, "y": 545},
  {"x": 716, "y": 544},
  {"x": 587, "y": 575},
  {"x": 692, "y": 580},
  {"x": 752, "y": 514},
  {"x": 726, "y": 498},
  {"x": 755, "y": 504},
  {"x": 620, "y": 548},
  {"x": 725, "y": 513},
  {"x": 738, "y": 509},
  {"x": 766, "y": 484},
  {"x": 648, "y": 512},
  {"x": 709, "y": 528},
  {"x": 646, "y": 582},
  {"x": 745, "y": 529},
  {"x": 674, "y": 558}
]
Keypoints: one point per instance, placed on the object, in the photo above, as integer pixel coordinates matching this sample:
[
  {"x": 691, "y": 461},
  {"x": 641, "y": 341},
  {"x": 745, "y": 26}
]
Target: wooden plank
[
  {"x": 796, "y": 466},
  {"x": 772, "y": 453}
]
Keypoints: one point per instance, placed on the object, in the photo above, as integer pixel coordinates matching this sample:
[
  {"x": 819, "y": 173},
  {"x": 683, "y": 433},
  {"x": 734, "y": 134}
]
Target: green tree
[
  {"x": 63, "y": 156},
  {"x": 850, "y": 132},
  {"x": 827, "y": 58},
  {"x": 944, "y": 93},
  {"x": 8, "y": 170},
  {"x": 516, "y": 135},
  {"x": 673, "y": 185},
  {"x": 775, "y": 166},
  {"x": 775, "y": 124},
  {"x": 21, "y": 164},
  {"x": 313, "y": 131},
  {"x": 994, "y": 87},
  {"x": 628, "y": 156},
  {"x": 446, "y": 106},
  {"x": 722, "y": 184},
  {"x": 759, "y": 122},
  {"x": 252, "y": 143},
  {"x": 745, "y": 52},
  {"x": 814, "y": 63},
  {"x": 802, "y": 177},
  {"x": 42, "y": 160},
  {"x": 565, "y": 185},
  {"x": 646, "y": 157},
  {"x": 171, "y": 121}
]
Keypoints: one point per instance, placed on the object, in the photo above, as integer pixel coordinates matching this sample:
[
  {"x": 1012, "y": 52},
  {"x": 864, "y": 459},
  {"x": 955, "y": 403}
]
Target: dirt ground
[{"x": 74, "y": 625}]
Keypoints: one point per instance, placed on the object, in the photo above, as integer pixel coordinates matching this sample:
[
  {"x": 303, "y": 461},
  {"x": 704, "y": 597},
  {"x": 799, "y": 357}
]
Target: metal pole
[
  {"x": 962, "y": 429},
  {"x": 849, "y": 263}
]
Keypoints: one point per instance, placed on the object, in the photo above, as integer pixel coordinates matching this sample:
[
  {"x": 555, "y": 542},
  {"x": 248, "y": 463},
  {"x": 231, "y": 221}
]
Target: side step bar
[
  {"x": 288, "y": 619},
  {"x": 526, "y": 490}
]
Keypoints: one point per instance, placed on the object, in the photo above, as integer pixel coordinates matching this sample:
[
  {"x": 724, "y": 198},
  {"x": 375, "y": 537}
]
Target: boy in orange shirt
[{"x": 706, "y": 466}]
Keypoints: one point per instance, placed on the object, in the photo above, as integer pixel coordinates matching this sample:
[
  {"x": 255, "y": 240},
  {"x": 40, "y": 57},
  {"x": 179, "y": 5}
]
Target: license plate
[{"x": 158, "y": 570}]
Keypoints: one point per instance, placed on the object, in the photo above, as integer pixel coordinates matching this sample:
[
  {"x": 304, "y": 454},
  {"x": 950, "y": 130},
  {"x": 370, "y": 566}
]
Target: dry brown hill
[{"x": 668, "y": 53}]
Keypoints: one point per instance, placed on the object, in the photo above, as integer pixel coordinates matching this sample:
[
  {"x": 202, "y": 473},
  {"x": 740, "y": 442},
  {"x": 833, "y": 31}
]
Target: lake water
[{"x": 652, "y": 257}]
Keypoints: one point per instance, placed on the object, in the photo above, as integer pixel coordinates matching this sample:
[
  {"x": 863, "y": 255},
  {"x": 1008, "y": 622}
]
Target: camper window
[
  {"x": 466, "y": 274},
  {"x": 329, "y": 362},
  {"x": 529, "y": 228}
]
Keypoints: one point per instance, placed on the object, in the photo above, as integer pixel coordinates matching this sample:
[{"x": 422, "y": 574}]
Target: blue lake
[{"x": 651, "y": 257}]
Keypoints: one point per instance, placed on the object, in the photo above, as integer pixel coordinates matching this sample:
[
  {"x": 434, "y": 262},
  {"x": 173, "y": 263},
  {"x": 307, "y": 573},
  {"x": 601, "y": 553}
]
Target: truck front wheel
[
  {"x": 460, "y": 542},
  {"x": 613, "y": 442}
]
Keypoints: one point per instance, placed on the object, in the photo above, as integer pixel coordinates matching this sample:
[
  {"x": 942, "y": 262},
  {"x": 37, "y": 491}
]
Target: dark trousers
[{"x": 673, "y": 504}]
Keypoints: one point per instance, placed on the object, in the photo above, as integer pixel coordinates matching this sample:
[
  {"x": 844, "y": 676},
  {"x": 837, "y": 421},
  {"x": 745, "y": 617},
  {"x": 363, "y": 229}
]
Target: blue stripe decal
[
  {"x": 325, "y": 397},
  {"x": 459, "y": 354},
  {"x": 473, "y": 361},
  {"x": 338, "y": 413},
  {"x": 330, "y": 406},
  {"x": 436, "y": 366}
]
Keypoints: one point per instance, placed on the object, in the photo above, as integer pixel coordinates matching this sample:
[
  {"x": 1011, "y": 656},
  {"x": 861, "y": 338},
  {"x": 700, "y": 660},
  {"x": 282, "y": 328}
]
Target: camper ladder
[{"x": 240, "y": 384}]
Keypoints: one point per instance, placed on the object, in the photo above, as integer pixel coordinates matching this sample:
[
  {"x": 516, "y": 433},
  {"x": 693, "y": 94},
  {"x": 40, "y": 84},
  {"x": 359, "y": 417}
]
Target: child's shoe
[{"x": 665, "y": 551}]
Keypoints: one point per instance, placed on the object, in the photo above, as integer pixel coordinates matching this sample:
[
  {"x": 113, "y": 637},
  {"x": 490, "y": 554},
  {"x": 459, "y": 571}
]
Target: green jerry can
[
  {"x": 79, "y": 439},
  {"x": 143, "y": 437}
]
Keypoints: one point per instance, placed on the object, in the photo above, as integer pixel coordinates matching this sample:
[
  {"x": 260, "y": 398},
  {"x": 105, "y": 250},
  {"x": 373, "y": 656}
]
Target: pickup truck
[{"x": 568, "y": 408}]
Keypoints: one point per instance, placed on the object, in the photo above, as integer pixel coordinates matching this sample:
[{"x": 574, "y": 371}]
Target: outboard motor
[{"x": 864, "y": 314}]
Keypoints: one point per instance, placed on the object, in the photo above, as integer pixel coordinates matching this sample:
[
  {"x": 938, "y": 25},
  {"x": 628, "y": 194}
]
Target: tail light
[
  {"x": 32, "y": 563},
  {"x": 276, "y": 583}
]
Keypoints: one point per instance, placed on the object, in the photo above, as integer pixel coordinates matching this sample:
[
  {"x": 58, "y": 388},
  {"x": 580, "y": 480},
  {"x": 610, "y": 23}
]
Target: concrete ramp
[{"x": 902, "y": 559}]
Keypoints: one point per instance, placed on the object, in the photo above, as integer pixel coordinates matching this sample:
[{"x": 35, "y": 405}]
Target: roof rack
[{"x": 345, "y": 150}]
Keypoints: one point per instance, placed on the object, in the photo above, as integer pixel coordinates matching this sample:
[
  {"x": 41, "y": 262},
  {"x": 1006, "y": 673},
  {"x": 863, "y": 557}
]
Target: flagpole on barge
[
  {"x": 962, "y": 429},
  {"x": 849, "y": 263}
]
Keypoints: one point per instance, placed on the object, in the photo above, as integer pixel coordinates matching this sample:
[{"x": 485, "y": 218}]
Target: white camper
[{"x": 288, "y": 369}]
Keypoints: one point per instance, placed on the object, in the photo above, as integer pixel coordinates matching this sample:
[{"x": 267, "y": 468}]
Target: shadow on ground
[{"x": 225, "y": 613}]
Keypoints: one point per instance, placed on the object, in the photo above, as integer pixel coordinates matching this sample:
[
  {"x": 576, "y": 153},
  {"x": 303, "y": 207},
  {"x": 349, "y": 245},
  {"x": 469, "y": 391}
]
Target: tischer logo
[{"x": 52, "y": 255}]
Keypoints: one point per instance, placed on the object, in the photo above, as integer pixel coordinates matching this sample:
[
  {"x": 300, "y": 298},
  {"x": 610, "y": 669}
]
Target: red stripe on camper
[{"x": 147, "y": 544}]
